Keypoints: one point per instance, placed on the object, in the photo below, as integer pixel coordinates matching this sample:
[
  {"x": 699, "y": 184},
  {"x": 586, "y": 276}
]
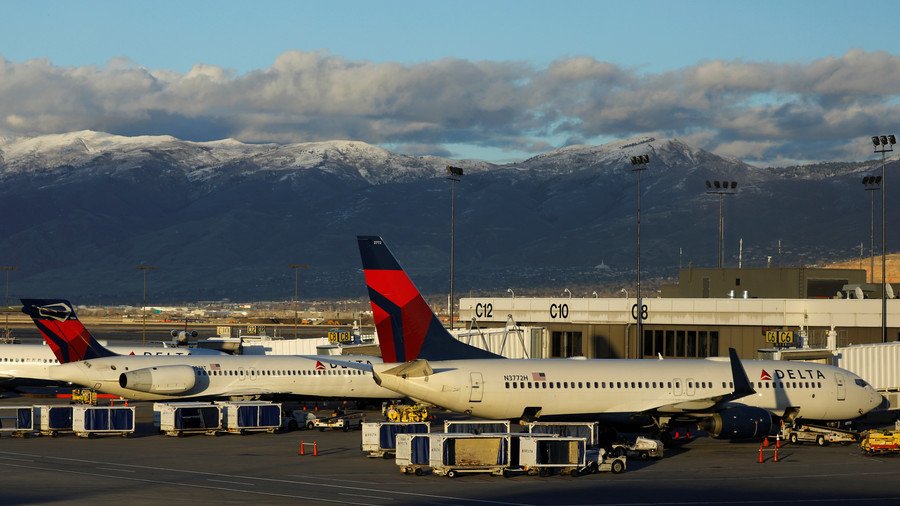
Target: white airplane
[
  {"x": 436, "y": 368},
  {"x": 29, "y": 364},
  {"x": 84, "y": 361}
]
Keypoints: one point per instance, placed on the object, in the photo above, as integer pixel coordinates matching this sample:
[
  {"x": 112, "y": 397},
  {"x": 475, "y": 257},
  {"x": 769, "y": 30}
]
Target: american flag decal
[{"x": 538, "y": 376}]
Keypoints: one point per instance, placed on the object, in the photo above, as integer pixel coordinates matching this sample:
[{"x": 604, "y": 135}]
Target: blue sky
[{"x": 617, "y": 55}]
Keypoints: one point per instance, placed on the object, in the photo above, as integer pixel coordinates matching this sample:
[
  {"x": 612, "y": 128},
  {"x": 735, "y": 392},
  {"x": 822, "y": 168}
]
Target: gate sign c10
[{"x": 780, "y": 336}]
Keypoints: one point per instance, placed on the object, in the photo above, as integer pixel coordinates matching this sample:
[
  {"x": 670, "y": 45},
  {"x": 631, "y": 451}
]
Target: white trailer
[
  {"x": 453, "y": 454},
  {"x": 546, "y": 455},
  {"x": 241, "y": 417},
  {"x": 413, "y": 453},
  {"x": 476, "y": 426},
  {"x": 179, "y": 418},
  {"x": 51, "y": 420},
  {"x": 89, "y": 421},
  {"x": 586, "y": 430},
  {"x": 16, "y": 420},
  {"x": 379, "y": 439}
]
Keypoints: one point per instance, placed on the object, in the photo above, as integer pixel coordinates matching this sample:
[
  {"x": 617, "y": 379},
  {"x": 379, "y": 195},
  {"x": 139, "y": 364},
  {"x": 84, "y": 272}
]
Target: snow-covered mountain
[{"x": 225, "y": 218}]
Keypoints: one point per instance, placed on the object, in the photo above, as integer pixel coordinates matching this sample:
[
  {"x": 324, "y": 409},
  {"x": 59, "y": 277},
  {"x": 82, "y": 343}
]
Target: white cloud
[{"x": 753, "y": 109}]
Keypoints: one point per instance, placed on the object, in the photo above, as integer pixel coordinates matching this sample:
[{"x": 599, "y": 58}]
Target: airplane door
[
  {"x": 841, "y": 389},
  {"x": 476, "y": 392},
  {"x": 677, "y": 387}
]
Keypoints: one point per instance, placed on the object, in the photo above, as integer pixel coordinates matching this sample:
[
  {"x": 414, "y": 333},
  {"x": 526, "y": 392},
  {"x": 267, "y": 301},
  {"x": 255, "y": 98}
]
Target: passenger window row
[{"x": 280, "y": 372}]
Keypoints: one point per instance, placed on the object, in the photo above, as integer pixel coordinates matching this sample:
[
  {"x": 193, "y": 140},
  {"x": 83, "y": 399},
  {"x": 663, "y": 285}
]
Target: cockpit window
[{"x": 860, "y": 382}]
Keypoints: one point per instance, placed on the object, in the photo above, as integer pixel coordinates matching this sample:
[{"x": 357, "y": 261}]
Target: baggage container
[
  {"x": 453, "y": 454},
  {"x": 250, "y": 416},
  {"x": 413, "y": 453},
  {"x": 546, "y": 455},
  {"x": 16, "y": 420},
  {"x": 51, "y": 420},
  {"x": 476, "y": 426},
  {"x": 586, "y": 430},
  {"x": 379, "y": 439},
  {"x": 89, "y": 421},
  {"x": 179, "y": 418}
]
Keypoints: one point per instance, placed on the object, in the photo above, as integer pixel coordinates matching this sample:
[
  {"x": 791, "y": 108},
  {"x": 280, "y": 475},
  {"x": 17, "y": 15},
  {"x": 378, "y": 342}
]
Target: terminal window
[{"x": 681, "y": 343}]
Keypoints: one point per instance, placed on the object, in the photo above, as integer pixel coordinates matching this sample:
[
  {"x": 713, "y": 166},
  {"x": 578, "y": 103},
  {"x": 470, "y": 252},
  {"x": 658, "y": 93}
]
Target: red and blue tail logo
[
  {"x": 63, "y": 331},
  {"x": 407, "y": 328}
]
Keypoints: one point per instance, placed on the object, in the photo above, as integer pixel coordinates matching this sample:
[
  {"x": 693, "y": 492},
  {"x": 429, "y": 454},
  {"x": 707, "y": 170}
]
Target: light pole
[
  {"x": 721, "y": 189},
  {"x": 7, "y": 269},
  {"x": 296, "y": 299},
  {"x": 511, "y": 292},
  {"x": 637, "y": 165},
  {"x": 625, "y": 292},
  {"x": 872, "y": 184},
  {"x": 144, "y": 268},
  {"x": 566, "y": 290},
  {"x": 594, "y": 293},
  {"x": 887, "y": 145},
  {"x": 455, "y": 174}
]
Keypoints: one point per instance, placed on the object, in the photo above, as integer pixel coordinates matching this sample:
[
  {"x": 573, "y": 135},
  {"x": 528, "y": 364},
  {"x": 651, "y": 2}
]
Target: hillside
[{"x": 224, "y": 219}]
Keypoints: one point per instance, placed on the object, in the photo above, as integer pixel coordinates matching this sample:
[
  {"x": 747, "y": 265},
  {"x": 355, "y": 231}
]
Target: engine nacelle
[
  {"x": 181, "y": 336},
  {"x": 168, "y": 379},
  {"x": 738, "y": 423}
]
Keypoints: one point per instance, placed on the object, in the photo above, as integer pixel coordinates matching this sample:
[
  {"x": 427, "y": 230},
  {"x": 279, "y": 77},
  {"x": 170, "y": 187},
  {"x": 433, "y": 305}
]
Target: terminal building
[{"x": 707, "y": 312}]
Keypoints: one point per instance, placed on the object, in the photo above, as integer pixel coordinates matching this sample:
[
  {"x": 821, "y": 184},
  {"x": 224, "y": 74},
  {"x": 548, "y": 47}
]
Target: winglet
[
  {"x": 742, "y": 385},
  {"x": 63, "y": 331}
]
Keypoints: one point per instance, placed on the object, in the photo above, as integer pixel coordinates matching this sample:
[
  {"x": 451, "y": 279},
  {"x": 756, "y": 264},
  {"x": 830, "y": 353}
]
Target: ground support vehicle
[
  {"x": 240, "y": 417},
  {"x": 16, "y": 420},
  {"x": 880, "y": 442},
  {"x": 179, "y": 418},
  {"x": 599, "y": 460},
  {"x": 379, "y": 439},
  {"x": 413, "y": 453},
  {"x": 298, "y": 419},
  {"x": 51, "y": 420},
  {"x": 642, "y": 448},
  {"x": 476, "y": 426},
  {"x": 340, "y": 422},
  {"x": 454, "y": 454},
  {"x": 586, "y": 430},
  {"x": 90, "y": 421},
  {"x": 546, "y": 455},
  {"x": 406, "y": 413},
  {"x": 822, "y": 436}
]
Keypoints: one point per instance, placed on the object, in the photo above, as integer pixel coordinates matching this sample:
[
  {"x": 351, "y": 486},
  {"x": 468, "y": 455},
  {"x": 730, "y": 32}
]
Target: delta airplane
[
  {"x": 29, "y": 364},
  {"x": 423, "y": 361},
  {"x": 84, "y": 361}
]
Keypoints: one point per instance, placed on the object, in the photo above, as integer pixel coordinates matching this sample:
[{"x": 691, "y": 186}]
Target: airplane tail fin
[
  {"x": 63, "y": 331},
  {"x": 407, "y": 328}
]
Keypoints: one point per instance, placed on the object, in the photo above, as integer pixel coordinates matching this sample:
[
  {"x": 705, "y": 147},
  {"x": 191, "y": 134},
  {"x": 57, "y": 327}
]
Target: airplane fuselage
[
  {"x": 502, "y": 389},
  {"x": 188, "y": 377},
  {"x": 30, "y": 364}
]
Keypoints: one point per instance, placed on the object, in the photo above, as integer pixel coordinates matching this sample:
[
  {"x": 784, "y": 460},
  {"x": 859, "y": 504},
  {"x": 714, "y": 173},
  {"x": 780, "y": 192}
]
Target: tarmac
[{"x": 260, "y": 468}]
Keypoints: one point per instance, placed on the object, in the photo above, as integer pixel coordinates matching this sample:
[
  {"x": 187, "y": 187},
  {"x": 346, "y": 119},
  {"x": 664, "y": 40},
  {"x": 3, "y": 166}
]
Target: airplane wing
[{"x": 742, "y": 388}]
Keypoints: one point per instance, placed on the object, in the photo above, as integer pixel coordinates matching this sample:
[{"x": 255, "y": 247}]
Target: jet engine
[
  {"x": 180, "y": 337},
  {"x": 738, "y": 423},
  {"x": 168, "y": 379}
]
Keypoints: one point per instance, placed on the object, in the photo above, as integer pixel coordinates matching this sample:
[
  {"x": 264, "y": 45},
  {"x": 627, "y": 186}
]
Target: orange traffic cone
[
  {"x": 775, "y": 459},
  {"x": 760, "y": 460},
  {"x": 302, "y": 450},
  {"x": 315, "y": 449},
  {"x": 777, "y": 440},
  {"x": 766, "y": 442},
  {"x": 304, "y": 407},
  {"x": 676, "y": 434}
]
